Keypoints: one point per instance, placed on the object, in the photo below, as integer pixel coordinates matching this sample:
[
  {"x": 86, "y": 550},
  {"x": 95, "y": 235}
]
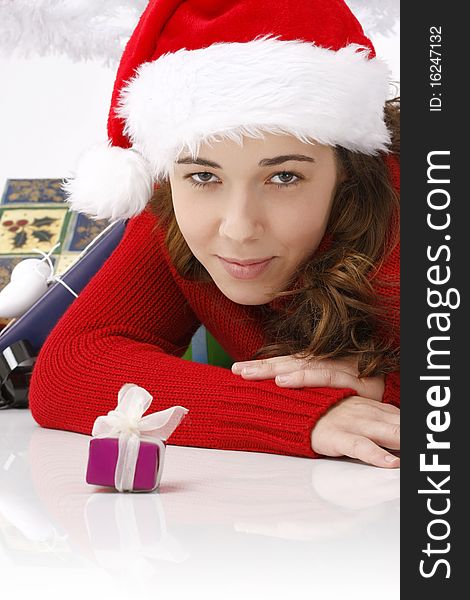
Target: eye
[
  {"x": 286, "y": 179},
  {"x": 204, "y": 179}
]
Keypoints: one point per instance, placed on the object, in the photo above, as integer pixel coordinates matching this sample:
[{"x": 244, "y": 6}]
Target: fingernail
[
  {"x": 390, "y": 459},
  {"x": 249, "y": 371},
  {"x": 238, "y": 367},
  {"x": 283, "y": 378}
]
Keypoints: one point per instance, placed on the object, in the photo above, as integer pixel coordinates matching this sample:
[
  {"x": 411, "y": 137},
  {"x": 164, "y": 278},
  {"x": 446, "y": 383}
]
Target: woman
[{"x": 259, "y": 175}]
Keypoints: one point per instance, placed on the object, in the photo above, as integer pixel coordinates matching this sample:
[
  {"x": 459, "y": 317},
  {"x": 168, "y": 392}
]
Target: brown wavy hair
[{"x": 331, "y": 308}]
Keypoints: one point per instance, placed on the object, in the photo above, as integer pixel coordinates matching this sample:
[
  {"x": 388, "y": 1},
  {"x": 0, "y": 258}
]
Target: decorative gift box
[{"x": 127, "y": 450}]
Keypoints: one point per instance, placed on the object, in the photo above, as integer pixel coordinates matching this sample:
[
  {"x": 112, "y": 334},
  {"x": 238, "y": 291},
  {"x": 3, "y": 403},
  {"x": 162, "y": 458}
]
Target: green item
[{"x": 205, "y": 348}]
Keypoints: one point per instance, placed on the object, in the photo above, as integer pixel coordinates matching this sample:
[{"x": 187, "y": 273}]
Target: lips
[
  {"x": 249, "y": 269},
  {"x": 249, "y": 261}
]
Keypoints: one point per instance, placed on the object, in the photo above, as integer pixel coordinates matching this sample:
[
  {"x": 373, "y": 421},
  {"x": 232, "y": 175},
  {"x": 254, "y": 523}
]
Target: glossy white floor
[{"x": 223, "y": 525}]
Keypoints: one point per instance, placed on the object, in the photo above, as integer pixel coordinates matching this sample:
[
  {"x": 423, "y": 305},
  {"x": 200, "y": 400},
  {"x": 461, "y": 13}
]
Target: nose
[{"x": 242, "y": 219}]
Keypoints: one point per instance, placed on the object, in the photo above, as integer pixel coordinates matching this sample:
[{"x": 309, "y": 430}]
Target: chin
[
  {"x": 245, "y": 297},
  {"x": 248, "y": 301}
]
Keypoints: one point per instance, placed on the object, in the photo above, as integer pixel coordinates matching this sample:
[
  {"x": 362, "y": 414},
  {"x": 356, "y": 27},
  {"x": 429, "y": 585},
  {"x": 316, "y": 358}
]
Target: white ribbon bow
[{"x": 127, "y": 422}]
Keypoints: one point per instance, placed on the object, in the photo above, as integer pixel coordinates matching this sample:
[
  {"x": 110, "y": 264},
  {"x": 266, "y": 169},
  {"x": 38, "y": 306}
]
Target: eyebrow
[{"x": 265, "y": 162}]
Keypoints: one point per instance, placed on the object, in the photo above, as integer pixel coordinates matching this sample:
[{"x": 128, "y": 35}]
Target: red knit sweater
[{"x": 133, "y": 322}]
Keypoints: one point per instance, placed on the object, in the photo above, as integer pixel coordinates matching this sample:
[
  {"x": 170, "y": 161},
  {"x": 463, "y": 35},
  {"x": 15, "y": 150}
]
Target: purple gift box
[
  {"x": 127, "y": 449},
  {"x": 103, "y": 457}
]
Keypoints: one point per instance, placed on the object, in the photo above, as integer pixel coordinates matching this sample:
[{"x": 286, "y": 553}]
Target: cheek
[
  {"x": 301, "y": 231},
  {"x": 191, "y": 219}
]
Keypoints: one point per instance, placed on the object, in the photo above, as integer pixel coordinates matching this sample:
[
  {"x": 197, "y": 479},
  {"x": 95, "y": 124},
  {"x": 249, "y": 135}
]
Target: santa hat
[{"x": 199, "y": 71}]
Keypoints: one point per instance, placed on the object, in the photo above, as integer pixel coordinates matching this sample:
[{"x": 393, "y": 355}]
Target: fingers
[
  {"x": 371, "y": 419},
  {"x": 368, "y": 451},
  {"x": 369, "y": 387},
  {"x": 238, "y": 366},
  {"x": 321, "y": 378},
  {"x": 382, "y": 433},
  {"x": 358, "y": 428},
  {"x": 270, "y": 367},
  {"x": 294, "y": 372}
]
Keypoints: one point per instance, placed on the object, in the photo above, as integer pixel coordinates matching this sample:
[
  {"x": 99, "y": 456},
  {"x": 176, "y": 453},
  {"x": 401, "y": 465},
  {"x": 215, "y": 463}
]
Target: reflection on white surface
[
  {"x": 121, "y": 526},
  {"x": 223, "y": 524}
]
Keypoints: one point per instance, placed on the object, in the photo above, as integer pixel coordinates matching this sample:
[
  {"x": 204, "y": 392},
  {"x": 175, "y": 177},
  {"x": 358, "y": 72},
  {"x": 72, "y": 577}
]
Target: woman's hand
[
  {"x": 359, "y": 428},
  {"x": 295, "y": 372}
]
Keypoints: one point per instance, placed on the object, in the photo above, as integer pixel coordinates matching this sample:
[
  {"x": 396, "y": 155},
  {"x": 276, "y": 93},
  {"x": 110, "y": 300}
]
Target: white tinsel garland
[
  {"x": 99, "y": 29},
  {"x": 376, "y": 16},
  {"x": 81, "y": 29}
]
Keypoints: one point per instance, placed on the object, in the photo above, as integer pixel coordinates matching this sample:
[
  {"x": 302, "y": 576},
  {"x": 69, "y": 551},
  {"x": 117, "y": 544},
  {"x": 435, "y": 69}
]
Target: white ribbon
[
  {"x": 127, "y": 423},
  {"x": 52, "y": 277}
]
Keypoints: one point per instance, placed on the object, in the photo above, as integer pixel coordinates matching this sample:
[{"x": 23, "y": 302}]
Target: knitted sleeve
[{"x": 131, "y": 324}]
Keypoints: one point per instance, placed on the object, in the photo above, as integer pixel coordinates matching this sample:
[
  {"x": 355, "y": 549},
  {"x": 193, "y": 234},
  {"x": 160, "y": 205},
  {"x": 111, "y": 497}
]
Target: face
[{"x": 252, "y": 214}]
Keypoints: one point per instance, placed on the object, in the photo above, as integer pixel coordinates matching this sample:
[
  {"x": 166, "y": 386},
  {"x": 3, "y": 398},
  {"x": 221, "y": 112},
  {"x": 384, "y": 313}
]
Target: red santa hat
[{"x": 199, "y": 71}]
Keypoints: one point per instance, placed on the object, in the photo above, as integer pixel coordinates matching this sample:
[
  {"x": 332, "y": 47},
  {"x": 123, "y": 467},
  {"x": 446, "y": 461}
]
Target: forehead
[{"x": 255, "y": 151}]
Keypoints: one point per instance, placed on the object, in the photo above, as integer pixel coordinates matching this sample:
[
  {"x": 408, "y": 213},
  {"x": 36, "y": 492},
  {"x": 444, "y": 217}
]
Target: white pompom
[
  {"x": 31, "y": 268},
  {"x": 110, "y": 183}
]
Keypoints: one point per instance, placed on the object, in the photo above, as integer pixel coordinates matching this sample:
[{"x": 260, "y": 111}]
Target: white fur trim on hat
[
  {"x": 229, "y": 90},
  {"x": 109, "y": 183}
]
